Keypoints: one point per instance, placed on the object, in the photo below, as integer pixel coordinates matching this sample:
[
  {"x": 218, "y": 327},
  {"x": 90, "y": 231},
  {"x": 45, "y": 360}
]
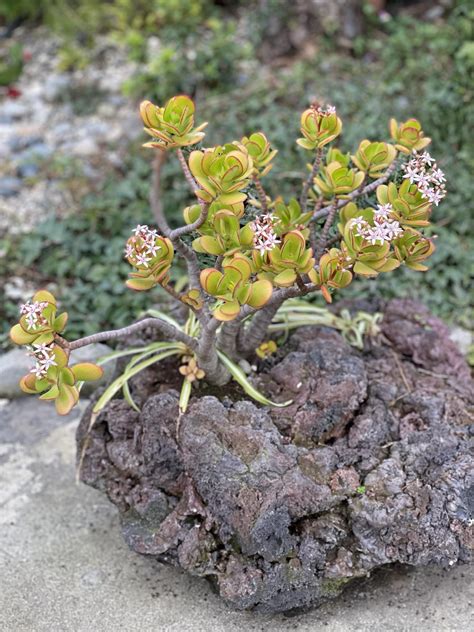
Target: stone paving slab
[{"x": 65, "y": 568}]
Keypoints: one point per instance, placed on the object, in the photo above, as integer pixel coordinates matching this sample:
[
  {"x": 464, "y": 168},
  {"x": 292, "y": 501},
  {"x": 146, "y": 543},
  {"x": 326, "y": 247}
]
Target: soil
[{"x": 282, "y": 508}]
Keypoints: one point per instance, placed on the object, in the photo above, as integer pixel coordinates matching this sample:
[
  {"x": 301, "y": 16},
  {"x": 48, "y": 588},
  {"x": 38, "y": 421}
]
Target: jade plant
[{"x": 251, "y": 258}]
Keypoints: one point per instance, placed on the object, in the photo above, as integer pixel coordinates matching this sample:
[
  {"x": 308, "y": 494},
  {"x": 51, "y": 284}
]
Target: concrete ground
[{"x": 65, "y": 568}]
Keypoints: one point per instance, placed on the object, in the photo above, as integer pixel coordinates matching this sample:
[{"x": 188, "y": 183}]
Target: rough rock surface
[{"x": 282, "y": 508}]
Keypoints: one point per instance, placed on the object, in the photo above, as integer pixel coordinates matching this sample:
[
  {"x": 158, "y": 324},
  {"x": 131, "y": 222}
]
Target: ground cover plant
[{"x": 249, "y": 252}]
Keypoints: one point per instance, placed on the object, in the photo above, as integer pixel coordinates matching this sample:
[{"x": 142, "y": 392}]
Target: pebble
[
  {"x": 13, "y": 110},
  {"x": 28, "y": 170},
  {"x": 463, "y": 339},
  {"x": 85, "y": 147},
  {"x": 18, "y": 143},
  {"x": 56, "y": 86},
  {"x": 9, "y": 186},
  {"x": 38, "y": 150}
]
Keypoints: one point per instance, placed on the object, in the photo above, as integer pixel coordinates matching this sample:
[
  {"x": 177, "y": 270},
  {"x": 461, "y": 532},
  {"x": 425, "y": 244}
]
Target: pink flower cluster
[
  {"x": 34, "y": 314},
  {"x": 384, "y": 229},
  {"x": 141, "y": 248},
  {"x": 265, "y": 238},
  {"x": 326, "y": 111},
  {"x": 44, "y": 359},
  {"x": 423, "y": 171}
]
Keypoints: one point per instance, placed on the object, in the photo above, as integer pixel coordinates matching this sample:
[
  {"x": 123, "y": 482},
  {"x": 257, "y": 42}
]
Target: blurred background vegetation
[{"x": 255, "y": 66}]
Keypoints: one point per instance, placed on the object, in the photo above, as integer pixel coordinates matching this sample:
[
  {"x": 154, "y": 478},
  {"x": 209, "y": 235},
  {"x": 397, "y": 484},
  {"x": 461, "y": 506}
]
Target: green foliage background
[{"x": 402, "y": 68}]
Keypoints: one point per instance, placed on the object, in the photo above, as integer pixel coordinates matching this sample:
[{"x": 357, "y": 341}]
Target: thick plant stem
[
  {"x": 168, "y": 330},
  {"x": 322, "y": 241},
  {"x": 313, "y": 230},
  {"x": 207, "y": 357},
  {"x": 253, "y": 336},
  {"x": 155, "y": 192},
  {"x": 189, "y": 228},
  {"x": 187, "y": 173},
  {"x": 184, "y": 250},
  {"x": 227, "y": 340}
]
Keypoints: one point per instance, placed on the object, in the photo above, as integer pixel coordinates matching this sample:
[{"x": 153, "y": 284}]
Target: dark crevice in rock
[{"x": 282, "y": 508}]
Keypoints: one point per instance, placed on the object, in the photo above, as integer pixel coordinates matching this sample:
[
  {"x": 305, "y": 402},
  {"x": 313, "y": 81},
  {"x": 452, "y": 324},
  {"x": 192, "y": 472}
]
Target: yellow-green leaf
[
  {"x": 87, "y": 371},
  {"x": 20, "y": 337}
]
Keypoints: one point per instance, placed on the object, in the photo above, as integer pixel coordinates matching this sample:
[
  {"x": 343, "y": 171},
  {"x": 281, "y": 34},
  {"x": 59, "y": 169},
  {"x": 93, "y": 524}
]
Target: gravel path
[{"x": 62, "y": 131}]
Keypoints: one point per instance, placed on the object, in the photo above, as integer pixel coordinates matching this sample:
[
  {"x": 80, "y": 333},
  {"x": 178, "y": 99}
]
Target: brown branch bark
[
  {"x": 262, "y": 196},
  {"x": 309, "y": 180},
  {"x": 168, "y": 330},
  {"x": 187, "y": 173},
  {"x": 188, "y": 254},
  {"x": 189, "y": 228},
  {"x": 252, "y": 336},
  {"x": 325, "y": 232},
  {"x": 155, "y": 192},
  {"x": 207, "y": 357},
  {"x": 227, "y": 339}
]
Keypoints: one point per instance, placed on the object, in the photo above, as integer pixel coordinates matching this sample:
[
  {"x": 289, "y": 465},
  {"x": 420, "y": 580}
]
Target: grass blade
[
  {"x": 240, "y": 377},
  {"x": 184, "y": 395},
  {"x": 120, "y": 381},
  {"x": 128, "y": 397}
]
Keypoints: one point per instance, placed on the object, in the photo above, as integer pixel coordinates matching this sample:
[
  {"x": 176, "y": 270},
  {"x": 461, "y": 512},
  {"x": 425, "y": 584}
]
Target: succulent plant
[
  {"x": 222, "y": 173},
  {"x": 234, "y": 288},
  {"x": 286, "y": 261},
  {"x": 266, "y": 250},
  {"x": 332, "y": 272},
  {"x": 266, "y": 349},
  {"x": 228, "y": 237},
  {"x": 409, "y": 206},
  {"x": 38, "y": 323},
  {"x": 53, "y": 379},
  {"x": 290, "y": 217},
  {"x": 192, "y": 213},
  {"x": 260, "y": 151},
  {"x": 338, "y": 180},
  {"x": 39, "y": 329},
  {"x": 192, "y": 298},
  {"x": 319, "y": 127},
  {"x": 190, "y": 370},
  {"x": 374, "y": 158},
  {"x": 172, "y": 125},
  {"x": 408, "y": 136},
  {"x": 151, "y": 255},
  {"x": 412, "y": 248}
]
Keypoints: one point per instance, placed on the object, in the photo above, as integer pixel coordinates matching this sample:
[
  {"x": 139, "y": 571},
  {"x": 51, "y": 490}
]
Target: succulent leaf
[
  {"x": 408, "y": 136},
  {"x": 87, "y": 371},
  {"x": 172, "y": 125},
  {"x": 319, "y": 127}
]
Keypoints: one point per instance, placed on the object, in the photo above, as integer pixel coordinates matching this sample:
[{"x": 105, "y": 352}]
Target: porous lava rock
[{"x": 282, "y": 508}]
